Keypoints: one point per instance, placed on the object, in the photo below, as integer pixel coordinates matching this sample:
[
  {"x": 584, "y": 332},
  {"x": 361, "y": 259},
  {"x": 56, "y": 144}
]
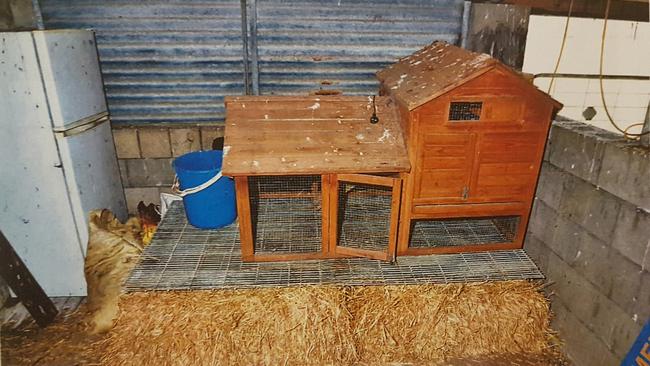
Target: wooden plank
[
  {"x": 312, "y": 135},
  {"x": 507, "y": 168},
  {"x": 468, "y": 210},
  {"x": 24, "y": 285},
  {"x": 283, "y": 257},
  {"x": 430, "y": 162},
  {"x": 367, "y": 179},
  {"x": 245, "y": 220},
  {"x": 461, "y": 249},
  {"x": 364, "y": 253},
  {"x": 620, "y": 9}
]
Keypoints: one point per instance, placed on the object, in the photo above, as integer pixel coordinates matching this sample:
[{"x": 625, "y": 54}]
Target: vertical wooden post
[
  {"x": 404, "y": 231},
  {"x": 394, "y": 218},
  {"x": 325, "y": 213},
  {"x": 333, "y": 212},
  {"x": 245, "y": 218}
]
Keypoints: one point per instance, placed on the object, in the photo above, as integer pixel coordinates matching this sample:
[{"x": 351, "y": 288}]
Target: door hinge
[{"x": 465, "y": 192}]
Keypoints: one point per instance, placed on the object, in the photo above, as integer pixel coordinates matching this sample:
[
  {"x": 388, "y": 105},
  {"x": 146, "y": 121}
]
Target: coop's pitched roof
[{"x": 435, "y": 70}]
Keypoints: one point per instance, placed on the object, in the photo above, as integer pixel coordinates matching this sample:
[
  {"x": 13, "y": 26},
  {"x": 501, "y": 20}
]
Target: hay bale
[
  {"x": 432, "y": 323},
  {"x": 330, "y": 325},
  {"x": 278, "y": 326}
]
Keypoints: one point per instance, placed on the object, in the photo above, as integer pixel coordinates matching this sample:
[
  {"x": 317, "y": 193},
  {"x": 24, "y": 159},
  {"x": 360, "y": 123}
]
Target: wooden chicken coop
[
  {"x": 314, "y": 177},
  {"x": 475, "y": 132}
]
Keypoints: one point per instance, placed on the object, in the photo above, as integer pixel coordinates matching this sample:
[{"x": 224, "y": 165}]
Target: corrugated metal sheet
[
  {"x": 168, "y": 61},
  {"x": 163, "y": 61},
  {"x": 309, "y": 45}
]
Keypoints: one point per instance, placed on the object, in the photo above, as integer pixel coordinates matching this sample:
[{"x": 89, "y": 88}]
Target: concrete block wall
[
  {"x": 590, "y": 234},
  {"x": 145, "y": 156}
]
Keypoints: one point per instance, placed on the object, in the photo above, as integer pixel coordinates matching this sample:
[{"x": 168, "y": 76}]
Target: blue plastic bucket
[{"x": 214, "y": 206}]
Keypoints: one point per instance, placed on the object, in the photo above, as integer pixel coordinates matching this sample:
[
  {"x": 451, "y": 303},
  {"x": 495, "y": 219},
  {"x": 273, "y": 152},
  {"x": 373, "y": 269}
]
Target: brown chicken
[{"x": 149, "y": 217}]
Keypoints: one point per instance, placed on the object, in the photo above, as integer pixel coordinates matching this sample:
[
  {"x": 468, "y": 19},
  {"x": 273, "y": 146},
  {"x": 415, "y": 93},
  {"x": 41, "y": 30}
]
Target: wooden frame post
[{"x": 245, "y": 220}]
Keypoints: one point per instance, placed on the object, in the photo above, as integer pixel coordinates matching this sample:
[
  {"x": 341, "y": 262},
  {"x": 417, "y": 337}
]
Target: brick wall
[
  {"x": 590, "y": 234},
  {"x": 145, "y": 155}
]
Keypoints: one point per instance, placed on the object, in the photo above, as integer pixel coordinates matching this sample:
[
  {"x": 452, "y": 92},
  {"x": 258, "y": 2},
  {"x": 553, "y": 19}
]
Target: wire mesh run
[
  {"x": 364, "y": 216},
  {"x": 182, "y": 257},
  {"x": 465, "y": 111},
  {"x": 286, "y": 213},
  {"x": 467, "y": 231}
]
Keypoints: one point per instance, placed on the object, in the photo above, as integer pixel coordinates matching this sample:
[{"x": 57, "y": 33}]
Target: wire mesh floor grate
[
  {"x": 181, "y": 257},
  {"x": 456, "y": 232}
]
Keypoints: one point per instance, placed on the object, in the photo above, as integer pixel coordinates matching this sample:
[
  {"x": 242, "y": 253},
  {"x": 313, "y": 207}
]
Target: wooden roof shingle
[{"x": 435, "y": 70}]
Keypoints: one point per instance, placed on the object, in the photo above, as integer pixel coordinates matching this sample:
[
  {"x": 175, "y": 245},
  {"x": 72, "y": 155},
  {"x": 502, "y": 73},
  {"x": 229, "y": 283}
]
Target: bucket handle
[{"x": 176, "y": 186}]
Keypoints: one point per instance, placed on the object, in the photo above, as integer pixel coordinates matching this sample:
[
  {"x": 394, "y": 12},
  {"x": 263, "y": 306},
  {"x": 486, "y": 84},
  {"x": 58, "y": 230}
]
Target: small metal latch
[
  {"x": 465, "y": 192},
  {"x": 374, "y": 119}
]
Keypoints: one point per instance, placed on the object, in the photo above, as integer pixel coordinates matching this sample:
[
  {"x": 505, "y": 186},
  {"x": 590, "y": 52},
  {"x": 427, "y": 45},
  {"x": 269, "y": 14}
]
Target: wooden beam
[
  {"x": 23, "y": 284},
  {"x": 499, "y": 30},
  {"x": 635, "y": 10}
]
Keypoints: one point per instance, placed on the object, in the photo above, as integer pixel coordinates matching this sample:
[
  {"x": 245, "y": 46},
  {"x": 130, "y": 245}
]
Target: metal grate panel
[
  {"x": 465, "y": 111},
  {"x": 182, "y": 257},
  {"x": 457, "y": 232},
  {"x": 364, "y": 216},
  {"x": 287, "y": 213}
]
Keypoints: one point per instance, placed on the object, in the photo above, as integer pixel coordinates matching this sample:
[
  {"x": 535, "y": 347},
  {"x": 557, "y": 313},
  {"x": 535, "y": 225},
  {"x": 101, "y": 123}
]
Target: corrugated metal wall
[
  {"x": 174, "y": 61},
  {"x": 308, "y": 45},
  {"x": 163, "y": 61}
]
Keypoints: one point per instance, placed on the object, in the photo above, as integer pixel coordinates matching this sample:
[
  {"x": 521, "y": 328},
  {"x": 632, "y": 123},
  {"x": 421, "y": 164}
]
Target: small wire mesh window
[
  {"x": 286, "y": 214},
  {"x": 364, "y": 216},
  {"x": 465, "y": 111},
  {"x": 468, "y": 231}
]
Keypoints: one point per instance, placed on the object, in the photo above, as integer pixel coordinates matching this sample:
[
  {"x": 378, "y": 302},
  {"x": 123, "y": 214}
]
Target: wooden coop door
[
  {"x": 444, "y": 167},
  {"x": 364, "y": 214}
]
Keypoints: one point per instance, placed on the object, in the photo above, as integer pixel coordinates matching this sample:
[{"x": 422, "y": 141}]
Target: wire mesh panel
[
  {"x": 467, "y": 231},
  {"x": 465, "y": 111},
  {"x": 364, "y": 213},
  {"x": 286, "y": 213}
]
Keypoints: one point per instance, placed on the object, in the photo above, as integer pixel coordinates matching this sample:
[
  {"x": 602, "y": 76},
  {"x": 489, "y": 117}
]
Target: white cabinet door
[{"x": 71, "y": 74}]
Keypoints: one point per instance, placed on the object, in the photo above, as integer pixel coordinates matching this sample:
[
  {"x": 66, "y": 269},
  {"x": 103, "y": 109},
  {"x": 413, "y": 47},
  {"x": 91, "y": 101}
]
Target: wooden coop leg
[{"x": 245, "y": 219}]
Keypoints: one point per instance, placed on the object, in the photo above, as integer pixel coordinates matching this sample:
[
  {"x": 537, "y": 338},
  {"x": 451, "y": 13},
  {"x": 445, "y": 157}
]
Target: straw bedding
[
  {"x": 436, "y": 322},
  {"x": 330, "y": 325}
]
